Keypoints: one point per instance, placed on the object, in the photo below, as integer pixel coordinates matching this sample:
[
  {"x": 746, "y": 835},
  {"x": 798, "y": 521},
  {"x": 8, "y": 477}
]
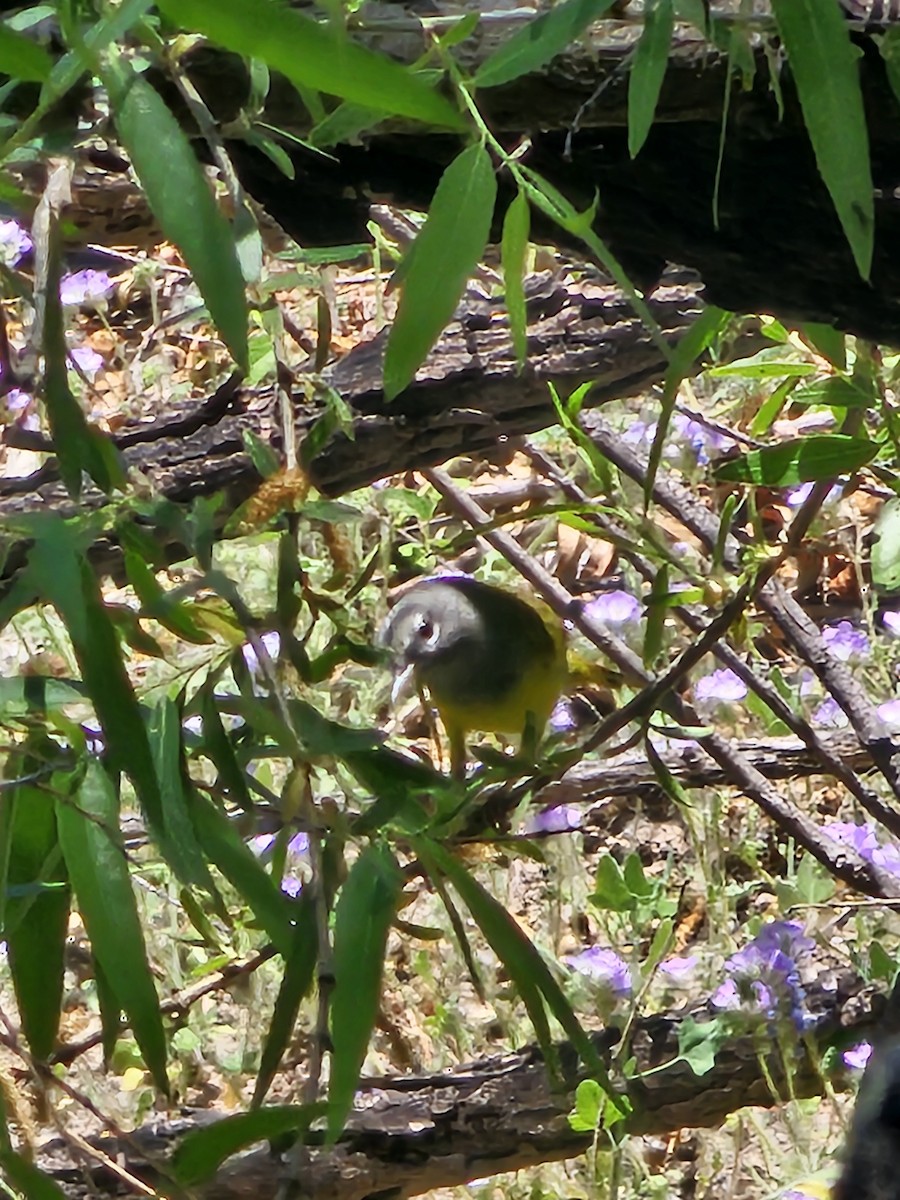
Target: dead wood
[{"x": 466, "y": 398}]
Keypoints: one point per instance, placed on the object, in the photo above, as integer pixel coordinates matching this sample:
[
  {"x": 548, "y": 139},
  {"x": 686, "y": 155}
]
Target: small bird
[{"x": 487, "y": 660}]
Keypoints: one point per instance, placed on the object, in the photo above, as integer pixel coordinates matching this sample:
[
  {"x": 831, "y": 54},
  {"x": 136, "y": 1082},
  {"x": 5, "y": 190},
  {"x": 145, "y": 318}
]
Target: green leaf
[
  {"x": 79, "y": 447},
  {"x": 61, "y": 573},
  {"x": 35, "y": 926},
  {"x": 181, "y": 199},
  {"x": 223, "y": 846},
  {"x": 698, "y": 1043},
  {"x": 585, "y": 1117},
  {"x": 696, "y": 341},
  {"x": 38, "y": 693},
  {"x": 523, "y": 961},
  {"x": 159, "y": 605},
  {"x": 365, "y": 909},
  {"x": 181, "y": 848},
  {"x": 27, "y": 1179},
  {"x": 513, "y": 249},
  {"x": 200, "y": 1153},
  {"x": 444, "y": 255},
  {"x": 313, "y": 55},
  {"x": 800, "y": 460},
  {"x": 886, "y": 548},
  {"x": 826, "y": 340},
  {"x": 824, "y": 64},
  {"x": 296, "y": 982},
  {"x": 762, "y": 366},
  {"x": 611, "y": 892},
  {"x": 98, "y": 867},
  {"x": 22, "y": 57},
  {"x": 654, "y": 633},
  {"x": 837, "y": 391},
  {"x": 539, "y": 41},
  {"x": 648, "y": 70},
  {"x": 218, "y": 748}
]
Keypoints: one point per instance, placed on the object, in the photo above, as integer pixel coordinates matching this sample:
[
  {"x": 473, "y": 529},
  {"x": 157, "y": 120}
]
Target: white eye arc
[{"x": 427, "y": 630}]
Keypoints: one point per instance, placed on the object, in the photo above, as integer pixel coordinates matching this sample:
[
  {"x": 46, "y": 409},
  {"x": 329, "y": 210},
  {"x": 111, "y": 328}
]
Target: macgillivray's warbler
[{"x": 487, "y": 660}]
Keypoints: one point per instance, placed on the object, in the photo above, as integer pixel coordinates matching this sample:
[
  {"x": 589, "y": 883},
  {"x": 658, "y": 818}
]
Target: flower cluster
[
  {"x": 723, "y": 686},
  {"x": 846, "y": 642},
  {"x": 605, "y": 969},
  {"x": 15, "y": 243},
  {"x": 562, "y": 818},
  {"x": 864, "y": 840},
  {"x": 763, "y": 977},
  {"x": 297, "y": 851}
]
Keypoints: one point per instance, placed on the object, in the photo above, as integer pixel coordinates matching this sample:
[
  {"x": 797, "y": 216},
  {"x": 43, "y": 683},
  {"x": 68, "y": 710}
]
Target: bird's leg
[{"x": 457, "y": 752}]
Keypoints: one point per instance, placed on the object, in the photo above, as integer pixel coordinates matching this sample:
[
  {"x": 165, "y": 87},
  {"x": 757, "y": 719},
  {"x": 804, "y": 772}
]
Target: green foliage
[
  {"x": 439, "y": 262},
  {"x": 365, "y": 909},
  {"x": 800, "y": 460},
  {"x": 824, "y": 64},
  {"x": 651, "y": 58},
  {"x": 540, "y": 40}
]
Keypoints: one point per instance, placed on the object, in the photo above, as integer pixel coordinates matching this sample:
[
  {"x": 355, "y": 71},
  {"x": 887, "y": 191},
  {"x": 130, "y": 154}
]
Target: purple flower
[
  {"x": 272, "y": 643},
  {"x": 723, "y": 685},
  {"x": 297, "y": 850},
  {"x": 16, "y": 400},
  {"x": 890, "y": 712},
  {"x": 763, "y": 977},
  {"x": 14, "y": 243},
  {"x": 891, "y": 621},
  {"x": 679, "y": 969},
  {"x": 845, "y": 642},
  {"x": 639, "y": 431},
  {"x": 863, "y": 838},
  {"x": 857, "y": 1057},
  {"x": 562, "y": 719},
  {"x": 85, "y": 287},
  {"x": 615, "y": 607},
  {"x": 87, "y": 359},
  {"x": 830, "y": 713},
  {"x": 603, "y": 967},
  {"x": 796, "y": 496},
  {"x": 699, "y": 438},
  {"x": 560, "y": 819}
]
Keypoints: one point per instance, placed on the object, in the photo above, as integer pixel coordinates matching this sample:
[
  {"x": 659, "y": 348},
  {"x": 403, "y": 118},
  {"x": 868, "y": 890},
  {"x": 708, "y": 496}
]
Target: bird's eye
[{"x": 426, "y": 630}]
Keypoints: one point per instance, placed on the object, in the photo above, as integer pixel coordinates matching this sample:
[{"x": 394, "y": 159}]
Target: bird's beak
[{"x": 403, "y": 684}]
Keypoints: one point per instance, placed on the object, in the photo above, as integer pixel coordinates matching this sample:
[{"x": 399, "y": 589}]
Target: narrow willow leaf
[
  {"x": 296, "y": 982},
  {"x": 648, "y": 70},
  {"x": 365, "y": 909},
  {"x": 886, "y": 548},
  {"x": 159, "y": 605},
  {"x": 181, "y": 847},
  {"x": 181, "y": 199},
  {"x": 520, "y": 957},
  {"x": 218, "y": 748},
  {"x": 59, "y": 568},
  {"x": 98, "y": 867},
  {"x": 23, "y": 58},
  {"x": 110, "y": 1013},
  {"x": 762, "y": 367},
  {"x": 826, "y": 340},
  {"x": 35, "y": 926},
  {"x": 889, "y": 46},
  {"x": 699, "y": 338},
  {"x": 801, "y": 460},
  {"x": 224, "y": 848},
  {"x": 513, "y": 249},
  {"x": 838, "y": 391},
  {"x": 825, "y": 67},
  {"x": 656, "y": 616},
  {"x": 38, "y": 693},
  {"x": 539, "y": 41},
  {"x": 80, "y": 448},
  {"x": 313, "y": 55},
  {"x": 28, "y": 1180},
  {"x": 444, "y": 255},
  {"x": 199, "y": 1154}
]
